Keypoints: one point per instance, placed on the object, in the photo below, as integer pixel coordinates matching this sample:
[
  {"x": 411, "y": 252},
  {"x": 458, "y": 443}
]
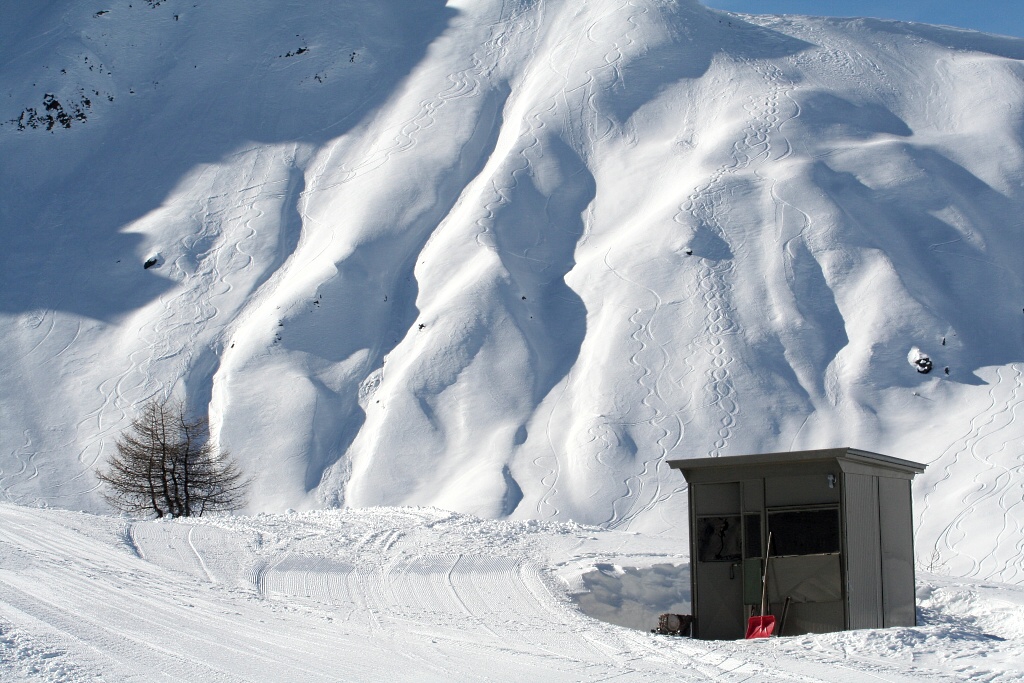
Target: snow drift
[
  {"x": 417, "y": 594},
  {"x": 506, "y": 258}
]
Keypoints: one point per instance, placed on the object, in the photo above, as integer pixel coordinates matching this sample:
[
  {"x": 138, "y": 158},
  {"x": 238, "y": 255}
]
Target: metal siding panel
[
  {"x": 753, "y": 495},
  {"x": 803, "y": 490},
  {"x": 692, "y": 508},
  {"x": 753, "y": 569},
  {"x": 879, "y": 614},
  {"x": 719, "y": 605},
  {"x": 806, "y": 578},
  {"x": 811, "y": 617},
  {"x": 717, "y": 598},
  {"x": 717, "y": 499},
  {"x": 863, "y": 562},
  {"x": 897, "y": 545}
]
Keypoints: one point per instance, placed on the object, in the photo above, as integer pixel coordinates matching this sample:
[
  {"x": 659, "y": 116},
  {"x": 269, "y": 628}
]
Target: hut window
[
  {"x": 718, "y": 539},
  {"x": 804, "y": 532}
]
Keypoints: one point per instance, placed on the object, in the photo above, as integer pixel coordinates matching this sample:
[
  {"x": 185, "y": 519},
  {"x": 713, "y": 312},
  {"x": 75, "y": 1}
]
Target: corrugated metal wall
[
  {"x": 863, "y": 557},
  {"x": 898, "y": 596}
]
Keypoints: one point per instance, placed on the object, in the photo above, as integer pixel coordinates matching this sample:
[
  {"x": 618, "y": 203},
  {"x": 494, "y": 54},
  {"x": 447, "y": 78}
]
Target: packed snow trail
[{"x": 408, "y": 594}]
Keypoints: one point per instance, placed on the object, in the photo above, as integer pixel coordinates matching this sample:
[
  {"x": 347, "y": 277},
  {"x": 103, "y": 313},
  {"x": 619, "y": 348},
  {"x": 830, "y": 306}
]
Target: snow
[
  {"x": 505, "y": 258},
  {"x": 509, "y": 258},
  {"x": 417, "y": 594}
]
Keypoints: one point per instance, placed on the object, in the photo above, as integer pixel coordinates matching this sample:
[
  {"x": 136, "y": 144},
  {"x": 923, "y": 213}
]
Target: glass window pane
[
  {"x": 718, "y": 539},
  {"x": 804, "y": 532}
]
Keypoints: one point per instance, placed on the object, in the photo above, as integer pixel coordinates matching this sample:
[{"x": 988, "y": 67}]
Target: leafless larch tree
[{"x": 164, "y": 464}]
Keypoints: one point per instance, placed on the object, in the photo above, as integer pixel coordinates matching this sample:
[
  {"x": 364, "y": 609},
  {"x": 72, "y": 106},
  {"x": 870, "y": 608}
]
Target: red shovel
[{"x": 762, "y": 626}]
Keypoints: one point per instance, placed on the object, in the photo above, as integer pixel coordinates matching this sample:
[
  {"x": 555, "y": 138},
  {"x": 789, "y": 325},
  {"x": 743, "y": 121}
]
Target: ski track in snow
[
  {"x": 994, "y": 492},
  {"x": 590, "y": 88},
  {"x": 359, "y": 596},
  {"x": 713, "y": 278},
  {"x": 500, "y": 194},
  {"x": 550, "y": 461},
  {"x": 657, "y": 414},
  {"x": 167, "y": 338},
  {"x": 402, "y": 137},
  {"x": 714, "y": 290}
]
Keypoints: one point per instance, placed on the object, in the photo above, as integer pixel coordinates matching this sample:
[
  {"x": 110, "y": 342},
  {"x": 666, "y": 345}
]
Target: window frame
[
  {"x": 698, "y": 547},
  {"x": 836, "y": 507}
]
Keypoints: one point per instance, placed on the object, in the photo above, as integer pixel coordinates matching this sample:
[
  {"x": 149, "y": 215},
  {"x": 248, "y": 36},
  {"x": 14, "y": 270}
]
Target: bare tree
[{"x": 166, "y": 465}]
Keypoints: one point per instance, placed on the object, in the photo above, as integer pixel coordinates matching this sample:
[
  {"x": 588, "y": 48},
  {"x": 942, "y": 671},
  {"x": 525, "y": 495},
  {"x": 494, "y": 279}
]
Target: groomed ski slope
[
  {"x": 413, "y": 594},
  {"x": 508, "y": 257}
]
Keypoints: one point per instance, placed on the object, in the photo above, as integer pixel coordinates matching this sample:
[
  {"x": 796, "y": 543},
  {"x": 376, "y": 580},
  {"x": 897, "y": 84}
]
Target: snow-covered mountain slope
[
  {"x": 412, "y": 594},
  {"x": 508, "y": 257}
]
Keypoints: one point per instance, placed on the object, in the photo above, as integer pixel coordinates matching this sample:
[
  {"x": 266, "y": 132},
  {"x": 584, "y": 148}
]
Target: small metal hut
[{"x": 842, "y": 548}]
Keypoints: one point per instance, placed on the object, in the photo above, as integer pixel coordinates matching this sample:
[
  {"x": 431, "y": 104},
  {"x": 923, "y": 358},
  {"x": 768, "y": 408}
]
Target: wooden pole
[{"x": 764, "y": 576}]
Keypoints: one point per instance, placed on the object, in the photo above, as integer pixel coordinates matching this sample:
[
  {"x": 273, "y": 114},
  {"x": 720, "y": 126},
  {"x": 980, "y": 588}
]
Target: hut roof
[{"x": 841, "y": 455}]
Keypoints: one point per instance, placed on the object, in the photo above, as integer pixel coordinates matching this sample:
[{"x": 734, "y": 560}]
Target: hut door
[{"x": 719, "y": 562}]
